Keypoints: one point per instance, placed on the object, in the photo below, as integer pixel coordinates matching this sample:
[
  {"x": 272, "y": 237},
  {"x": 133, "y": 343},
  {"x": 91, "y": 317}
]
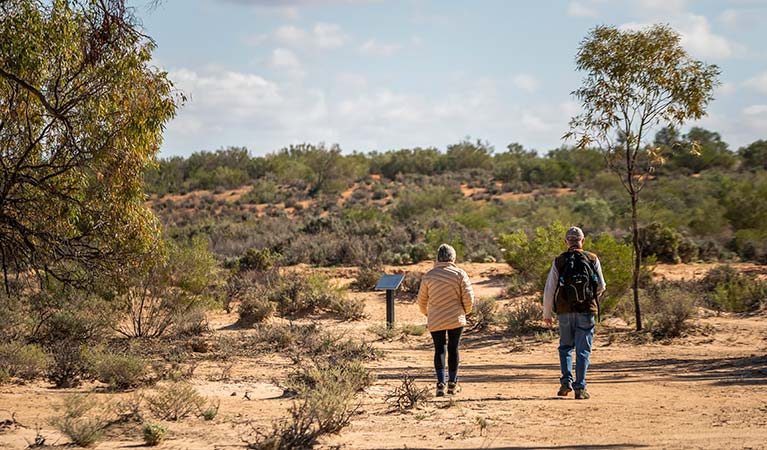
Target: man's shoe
[
  {"x": 564, "y": 389},
  {"x": 440, "y": 389},
  {"x": 453, "y": 387},
  {"x": 581, "y": 394}
]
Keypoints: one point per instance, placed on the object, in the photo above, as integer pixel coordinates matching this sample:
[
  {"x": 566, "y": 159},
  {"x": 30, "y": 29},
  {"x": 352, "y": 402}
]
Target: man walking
[{"x": 572, "y": 290}]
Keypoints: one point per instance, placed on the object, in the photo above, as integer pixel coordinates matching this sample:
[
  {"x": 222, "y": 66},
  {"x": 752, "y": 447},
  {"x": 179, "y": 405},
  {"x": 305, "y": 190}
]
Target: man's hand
[{"x": 548, "y": 321}]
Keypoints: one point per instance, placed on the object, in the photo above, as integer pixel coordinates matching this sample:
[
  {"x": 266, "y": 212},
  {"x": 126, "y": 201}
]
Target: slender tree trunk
[{"x": 637, "y": 258}]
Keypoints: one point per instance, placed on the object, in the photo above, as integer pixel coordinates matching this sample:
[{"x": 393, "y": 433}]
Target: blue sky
[{"x": 389, "y": 74}]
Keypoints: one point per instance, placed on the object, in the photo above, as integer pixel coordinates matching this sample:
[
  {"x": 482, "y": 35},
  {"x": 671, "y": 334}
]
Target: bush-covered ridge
[{"x": 313, "y": 204}]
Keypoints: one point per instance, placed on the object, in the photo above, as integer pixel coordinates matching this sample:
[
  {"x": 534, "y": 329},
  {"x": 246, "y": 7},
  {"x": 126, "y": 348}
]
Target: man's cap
[{"x": 574, "y": 234}]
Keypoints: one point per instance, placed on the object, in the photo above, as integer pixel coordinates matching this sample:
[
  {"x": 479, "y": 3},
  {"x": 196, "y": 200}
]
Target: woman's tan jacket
[{"x": 445, "y": 297}]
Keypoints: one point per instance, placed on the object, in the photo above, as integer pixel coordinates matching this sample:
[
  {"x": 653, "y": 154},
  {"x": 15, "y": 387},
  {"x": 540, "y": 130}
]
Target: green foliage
[
  {"x": 24, "y": 361},
  {"x": 532, "y": 258},
  {"x": 347, "y": 308},
  {"x": 666, "y": 244},
  {"x": 727, "y": 290},
  {"x": 616, "y": 260},
  {"x": 754, "y": 155},
  {"x": 76, "y": 139},
  {"x": 175, "y": 401},
  {"x": 154, "y": 434},
  {"x": 469, "y": 155},
  {"x": 258, "y": 259},
  {"x": 84, "y": 420},
  {"x": 119, "y": 371},
  {"x": 416, "y": 203},
  {"x": 668, "y": 310}
]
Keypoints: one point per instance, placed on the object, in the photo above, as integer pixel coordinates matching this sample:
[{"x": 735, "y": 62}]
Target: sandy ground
[{"x": 706, "y": 390}]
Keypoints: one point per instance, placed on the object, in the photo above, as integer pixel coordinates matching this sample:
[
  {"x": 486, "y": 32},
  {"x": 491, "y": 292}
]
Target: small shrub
[
  {"x": 84, "y": 420},
  {"x": 118, "y": 371},
  {"x": 190, "y": 321},
  {"x": 154, "y": 434},
  {"x": 352, "y": 374},
  {"x": 667, "y": 311},
  {"x": 254, "y": 308},
  {"x": 26, "y": 362},
  {"x": 383, "y": 331},
  {"x": 521, "y": 318},
  {"x": 327, "y": 409},
  {"x": 412, "y": 329},
  {"x": 175, "y": 401},
  {"x": 727, "y": 290},
  {"x": 260, "y": 260},
  {"x": 407, "y": 395},
  {"x": 411, "y": 283},
  {"x": 367, "y": 278},
  {"x": 483, "y": 314},
  {"x": 69, "y": 364},
  {"x": 211, "y": 411},
  {"x": 347, "y": 308}
]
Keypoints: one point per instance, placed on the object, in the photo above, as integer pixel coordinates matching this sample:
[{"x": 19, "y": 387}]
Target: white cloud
[
  {"x": 283, "y": 58},
  {"x": 756, "y": 116},
  {"x": 526, "y": 82},
  {"x": 700, "y": 40},
  {"x": 580, "y": 9},
  {"x": 725, "y": 89},
  {"x": 328, "y": 35},
  {"x": 663, "y": 7},
  {"x": 373, "y": 47},
  {"x": 758, "y": 83},
  {"x": 697, "y": 37},
  {"x": 321, "y": 35}
]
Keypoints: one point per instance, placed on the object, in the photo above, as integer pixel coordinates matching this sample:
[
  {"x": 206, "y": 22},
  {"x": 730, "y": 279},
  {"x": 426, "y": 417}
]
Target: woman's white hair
[{"x": 445, "y": 253}]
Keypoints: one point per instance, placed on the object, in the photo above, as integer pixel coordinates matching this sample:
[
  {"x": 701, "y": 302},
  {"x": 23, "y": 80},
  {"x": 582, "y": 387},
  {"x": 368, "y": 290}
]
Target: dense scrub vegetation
[{"x": 313, "y": 204}]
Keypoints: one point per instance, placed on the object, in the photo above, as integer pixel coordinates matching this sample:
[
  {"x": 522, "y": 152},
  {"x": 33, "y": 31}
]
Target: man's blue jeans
[{"x": 576, "y": 331}]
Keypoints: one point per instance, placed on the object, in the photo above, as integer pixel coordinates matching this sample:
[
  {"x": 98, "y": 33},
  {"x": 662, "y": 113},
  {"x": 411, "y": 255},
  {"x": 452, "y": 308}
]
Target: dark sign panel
[{"x": 388, "y": 282}]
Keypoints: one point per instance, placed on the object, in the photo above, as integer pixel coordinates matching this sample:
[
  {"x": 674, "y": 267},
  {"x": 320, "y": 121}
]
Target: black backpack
[{"x": 578, "y": 280}]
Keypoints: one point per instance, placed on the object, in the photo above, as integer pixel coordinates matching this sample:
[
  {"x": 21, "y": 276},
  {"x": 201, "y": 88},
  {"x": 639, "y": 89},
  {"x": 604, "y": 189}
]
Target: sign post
[{"x": 389, "y": 283}]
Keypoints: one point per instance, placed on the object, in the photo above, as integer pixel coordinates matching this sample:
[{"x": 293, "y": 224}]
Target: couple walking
[{"x": 573, "y": 286}]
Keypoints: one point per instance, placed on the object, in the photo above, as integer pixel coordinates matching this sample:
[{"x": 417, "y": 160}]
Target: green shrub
[
  {"x": 24, "y": 361},
  {"x": 347, "y": 308},
  {"x": 258, "y": 259},
  {"x": 383, "y": 331},
  {"x": 154, "y": 434},
  {"x": 744, "y": 294},
  {"x": 617, "y": 264},
  {"x": 412, "y": 329},
  {"x": 118, "y": 371},
  {"x": 325, "y": 409},
  {"x": 84, "y": 420},
  {"x": 522, "y": 317},
  {"x": 666, "y": 244},
  {"x": 531, "y": 259},
  {"x": 175, "y": 401},
  {"x": 667, "y": 310}
]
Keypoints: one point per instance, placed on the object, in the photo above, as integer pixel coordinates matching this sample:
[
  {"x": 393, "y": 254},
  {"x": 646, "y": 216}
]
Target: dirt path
[{"x": 703, "y": 391}]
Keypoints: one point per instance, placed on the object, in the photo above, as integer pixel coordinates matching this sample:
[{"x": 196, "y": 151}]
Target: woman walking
[{"x": 445, "y": 298}]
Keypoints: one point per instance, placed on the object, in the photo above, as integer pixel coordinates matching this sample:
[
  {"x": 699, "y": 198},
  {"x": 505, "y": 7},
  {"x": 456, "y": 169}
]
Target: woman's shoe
[
  {"x": 440, "y": 389},
  {"x": 453, "y": 387}
]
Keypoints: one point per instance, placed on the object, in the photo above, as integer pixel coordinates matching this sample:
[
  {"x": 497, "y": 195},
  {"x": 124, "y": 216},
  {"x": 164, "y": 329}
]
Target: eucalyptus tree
[
  {"x": 636, "y": 82},
  {"x": 82, "y": 110}
]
